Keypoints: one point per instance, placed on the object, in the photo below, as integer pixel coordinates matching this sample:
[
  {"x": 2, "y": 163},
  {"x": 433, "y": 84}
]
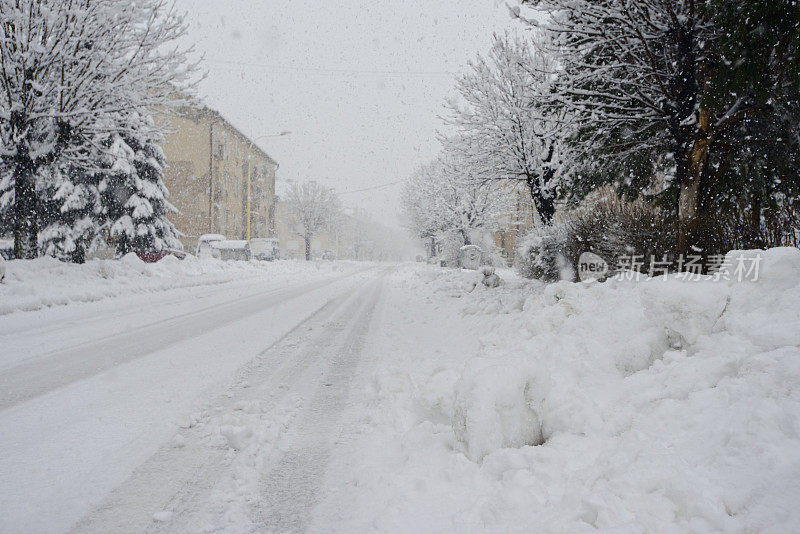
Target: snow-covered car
[
  {"x": 328, "y": 255},
  {"x": 233, "y": 250},
  {"x": 205, "y": 245},
  {"x": 265, "y": 248},
  {"x": 154, "y": 256}
]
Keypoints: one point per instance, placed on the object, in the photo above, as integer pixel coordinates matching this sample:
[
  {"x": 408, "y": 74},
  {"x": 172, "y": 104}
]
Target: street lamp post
[{"x": 249, "y": 172}]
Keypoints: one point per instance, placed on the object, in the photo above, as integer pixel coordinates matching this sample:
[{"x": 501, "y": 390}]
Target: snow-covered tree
[
  {"x": 312, "y": 207},
  {"x": 122, "y": 198},
  {"x": 418, "y": 200},
  {"x": 444, "y": 199},
  {"x": 505, "y": 133},
  {"x": 136, "y": 198},
  {"x": 69, "y": 212},
  {"x": 69, "y": 69},
  {"x": 664, "y": 91}
]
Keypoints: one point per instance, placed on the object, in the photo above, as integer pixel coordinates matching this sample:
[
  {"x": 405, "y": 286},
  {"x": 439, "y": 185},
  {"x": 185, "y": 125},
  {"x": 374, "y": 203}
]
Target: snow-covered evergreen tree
[
  {"x": 135, "y": 196},
  {"x": 69, "y": 68},
  {"x": 70, "y": 212}
]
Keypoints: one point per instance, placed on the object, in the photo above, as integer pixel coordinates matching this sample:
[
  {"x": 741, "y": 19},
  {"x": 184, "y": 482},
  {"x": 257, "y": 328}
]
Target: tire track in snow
[
  {"x": 290, "y": 489},
  {"x": 199, "y": 483},
  {"x": 61, "y": 368}
]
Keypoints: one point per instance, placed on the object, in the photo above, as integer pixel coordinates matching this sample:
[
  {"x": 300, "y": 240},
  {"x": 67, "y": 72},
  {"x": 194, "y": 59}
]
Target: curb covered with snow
[{"x": 33, "y": 284}]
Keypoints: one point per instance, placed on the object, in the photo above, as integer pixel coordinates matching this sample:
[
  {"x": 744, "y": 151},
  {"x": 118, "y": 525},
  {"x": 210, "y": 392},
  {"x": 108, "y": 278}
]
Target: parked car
[
  {"x": 205, "y": 245},
  {"x": 153, "y": 256},
  {"x": 233, "y": 250},
  {"x": 265, "y": 248},
  {"x": 328, "y": 255}
]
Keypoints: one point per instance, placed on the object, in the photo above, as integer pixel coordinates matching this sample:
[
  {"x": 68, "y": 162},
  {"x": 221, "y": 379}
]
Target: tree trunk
[
  {"x": 26, "y": 227},
  {"x": 545, "y": 205},
  {"x": 78, "y": 255},
  {"x": 691, "y": 203},
  {"x": 756, "y": 239},
  {"x": 545, "y": 201},
  {"x": 307, "y": 239},
  {"x": 688, "y": 215},
  {"x": 465, "y": 235}
]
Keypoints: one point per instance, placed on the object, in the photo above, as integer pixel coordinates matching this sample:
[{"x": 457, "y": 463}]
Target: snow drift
[
  {"x": 34, "y": 284},
  {"x": 659, "y": 405},
  {"x": 665, "y": 401}
]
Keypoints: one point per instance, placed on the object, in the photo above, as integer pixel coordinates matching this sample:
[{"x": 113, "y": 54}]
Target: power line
[
  {"x": 337, "y": 71},
  {"x": 371, "y": 188}
]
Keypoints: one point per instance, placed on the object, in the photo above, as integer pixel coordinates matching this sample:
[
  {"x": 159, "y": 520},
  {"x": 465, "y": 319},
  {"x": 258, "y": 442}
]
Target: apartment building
[{"x": 207, "y": 177}]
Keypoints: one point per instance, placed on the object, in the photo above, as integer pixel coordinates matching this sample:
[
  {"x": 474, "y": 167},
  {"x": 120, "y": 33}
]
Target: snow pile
[
  {"x": 665, "y": 401},
  {"x": 34, "y": 284},
  {"x": 660, "y": 405}
]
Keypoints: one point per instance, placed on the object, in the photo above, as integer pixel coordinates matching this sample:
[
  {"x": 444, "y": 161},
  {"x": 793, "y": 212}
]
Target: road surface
[{"x": 208, "y": 409}]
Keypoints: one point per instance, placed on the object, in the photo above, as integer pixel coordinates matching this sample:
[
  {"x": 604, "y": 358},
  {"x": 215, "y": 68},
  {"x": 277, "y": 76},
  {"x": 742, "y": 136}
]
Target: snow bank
[
  {"x": 660, "y": 405},
  {"x": 685, "y": 395},
  {"x": 34, "y": 284}
]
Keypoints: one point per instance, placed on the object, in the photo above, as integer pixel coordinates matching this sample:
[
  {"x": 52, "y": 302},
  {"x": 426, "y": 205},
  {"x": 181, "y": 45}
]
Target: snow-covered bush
[
  {"x": 491, "y": 253},
  {"x": 451, "y": 243},
  {"x": 543, "y": 254},
  {"x": 611, "y": 231},
  {"x": 614, "y": 230}
]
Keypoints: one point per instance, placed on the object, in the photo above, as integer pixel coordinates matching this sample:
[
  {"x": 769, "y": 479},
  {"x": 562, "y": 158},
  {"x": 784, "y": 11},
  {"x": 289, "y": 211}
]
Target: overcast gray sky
[{"x": 359, "y": 83}]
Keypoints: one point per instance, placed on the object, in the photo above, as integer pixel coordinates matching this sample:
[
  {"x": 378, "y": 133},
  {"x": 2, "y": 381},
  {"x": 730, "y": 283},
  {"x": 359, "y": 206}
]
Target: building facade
[{"x": 207, "y": 176}]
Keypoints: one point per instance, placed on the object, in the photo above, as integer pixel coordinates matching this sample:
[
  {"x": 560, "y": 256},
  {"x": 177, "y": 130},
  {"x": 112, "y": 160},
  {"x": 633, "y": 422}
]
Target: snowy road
[
  {"x": 280, "y": 416},
  {"x": 92, "y": 396},
  {"x": 41, "y": 373},
  {"x": 403, "y": 399}
]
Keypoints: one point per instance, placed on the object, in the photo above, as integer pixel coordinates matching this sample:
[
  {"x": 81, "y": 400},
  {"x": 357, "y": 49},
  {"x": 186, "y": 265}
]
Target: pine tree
[
  {"x": 70, "y": 213},
  {"x": 68, "y": 70},
  {"x": 136, "y": 197}
]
